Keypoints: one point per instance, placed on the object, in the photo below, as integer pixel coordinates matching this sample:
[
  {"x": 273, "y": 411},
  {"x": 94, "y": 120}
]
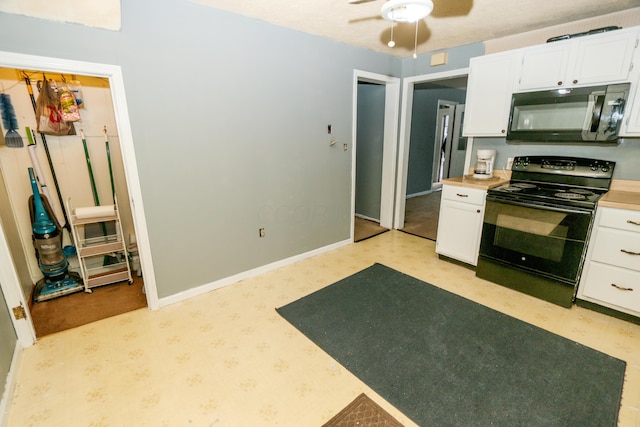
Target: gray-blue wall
[
  {"x": 457, "y": 58},
  {"x": 626, "y": 154},
  {"x": 229, "y": 118},
  {"x": 423, "y": 128},
  {"x": 369, "y": 149}
]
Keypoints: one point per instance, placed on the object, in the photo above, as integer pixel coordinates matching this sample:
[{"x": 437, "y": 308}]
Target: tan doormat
[{"x": 363, "y": 412}]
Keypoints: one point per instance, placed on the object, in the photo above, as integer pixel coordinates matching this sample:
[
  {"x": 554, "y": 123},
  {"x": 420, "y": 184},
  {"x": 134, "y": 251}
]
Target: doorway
[
  {"x": 449, "y": 154},
  {"x": 374, "y": 136},
  {"x": 431, "y": 148},
  {"x": 118, "y": 128}
]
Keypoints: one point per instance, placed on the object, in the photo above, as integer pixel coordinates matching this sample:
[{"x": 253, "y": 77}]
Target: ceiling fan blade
[{"x": 359, "y": 1}]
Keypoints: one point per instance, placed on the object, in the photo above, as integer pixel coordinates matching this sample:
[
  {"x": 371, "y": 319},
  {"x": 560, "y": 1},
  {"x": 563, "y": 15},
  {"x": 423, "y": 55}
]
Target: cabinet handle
[
  {"x": 478, "y": 210},
  {"x": 559, "y": 83},
  {"x": 629, "y": 252},
  {"x": 503, "y": 131},
  {"x": 622, "y": 288},
  {"x": 633, "y": 222},
  {"x": 575, "y": 82},
  {"x": 462, "y": 195}
]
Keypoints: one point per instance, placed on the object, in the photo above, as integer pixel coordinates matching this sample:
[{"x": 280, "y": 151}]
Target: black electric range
[{"x": 557, "y": 181}]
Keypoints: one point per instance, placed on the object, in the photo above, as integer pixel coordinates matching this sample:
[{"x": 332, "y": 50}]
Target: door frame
[
  {"x": 436, "y": 148},
  {"x": 24, "y": 327},
  {"x": 408, "y": 84},
  {"x": 390, "y": 145}
]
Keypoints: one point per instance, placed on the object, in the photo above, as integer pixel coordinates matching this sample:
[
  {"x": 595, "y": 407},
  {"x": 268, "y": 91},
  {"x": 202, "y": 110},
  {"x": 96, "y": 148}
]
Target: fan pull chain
[
  {"x": 415, "y": 46},
  {"x": 391, "y": 42}
]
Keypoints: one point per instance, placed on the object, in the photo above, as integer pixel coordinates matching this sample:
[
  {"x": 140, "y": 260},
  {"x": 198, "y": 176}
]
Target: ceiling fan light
[{"x": 406, "y": 10}]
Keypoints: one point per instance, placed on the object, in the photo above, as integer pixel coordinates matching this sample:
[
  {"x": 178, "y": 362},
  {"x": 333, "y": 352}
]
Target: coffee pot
[{"x": 484, "y": 164}]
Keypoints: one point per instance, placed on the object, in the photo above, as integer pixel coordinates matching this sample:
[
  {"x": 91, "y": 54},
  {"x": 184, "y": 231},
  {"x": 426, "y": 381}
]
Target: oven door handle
[{"x": 532, "y": 204}]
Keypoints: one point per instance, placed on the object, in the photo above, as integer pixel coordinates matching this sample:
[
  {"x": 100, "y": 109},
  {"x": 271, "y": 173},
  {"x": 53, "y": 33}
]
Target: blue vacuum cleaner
[{"x": 47, "y": 240}]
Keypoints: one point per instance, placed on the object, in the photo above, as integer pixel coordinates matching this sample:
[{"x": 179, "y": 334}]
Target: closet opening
[{"x": 73, "y": 160}]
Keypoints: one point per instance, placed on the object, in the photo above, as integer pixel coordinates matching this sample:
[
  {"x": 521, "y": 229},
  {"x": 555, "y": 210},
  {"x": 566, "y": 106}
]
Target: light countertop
[
  {"x": 623, "y": 194},
  {"x": 498, "y": 178}
]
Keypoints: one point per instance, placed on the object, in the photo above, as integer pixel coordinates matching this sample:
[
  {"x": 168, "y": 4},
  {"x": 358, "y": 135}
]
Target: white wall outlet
[
  {"x": 261, "y": 232},
  {"x": 509, "y": 163}
]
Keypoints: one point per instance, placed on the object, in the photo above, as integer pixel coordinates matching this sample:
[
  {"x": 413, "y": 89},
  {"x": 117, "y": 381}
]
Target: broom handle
[
  {"x": 106, "y": 143},
  {"x": 46, "y": 150},
  {"x": 36, "y": 163},
  {"x": 93, "y": 180}
]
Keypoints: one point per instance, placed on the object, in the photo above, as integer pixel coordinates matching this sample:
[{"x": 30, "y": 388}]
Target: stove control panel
[
  {"x": 556, "y": 165},
  {"x": 568, "y": 165}
]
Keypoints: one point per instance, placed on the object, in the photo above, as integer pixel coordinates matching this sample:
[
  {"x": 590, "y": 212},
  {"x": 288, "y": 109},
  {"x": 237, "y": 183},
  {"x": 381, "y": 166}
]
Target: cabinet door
[
  {"x": 459, "y": 230},
  {"x": 591, "y": 60},
  {"x": 489, "y": 88},
  {"x": 604, "y": 58},
  {"x": 545, "y": 66}
]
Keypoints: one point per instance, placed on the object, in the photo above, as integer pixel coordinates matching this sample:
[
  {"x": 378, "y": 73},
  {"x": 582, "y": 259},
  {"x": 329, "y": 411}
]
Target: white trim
[
  {"x": 10, "y": 385},
  {"x": 390, "y": 143},
  {"x": 405, "y": 135},
  {"x": 116, "y": 83},
  {"x": 208, "y": 287},
  {"x": 13, "y": 295}
]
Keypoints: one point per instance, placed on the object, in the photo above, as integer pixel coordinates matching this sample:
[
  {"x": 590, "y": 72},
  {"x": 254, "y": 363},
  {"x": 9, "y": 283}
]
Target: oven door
[{"x": 545, "y": 240}]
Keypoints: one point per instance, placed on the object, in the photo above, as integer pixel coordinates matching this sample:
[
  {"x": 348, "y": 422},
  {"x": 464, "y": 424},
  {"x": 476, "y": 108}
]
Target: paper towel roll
[{"x": 96, "y": 212}]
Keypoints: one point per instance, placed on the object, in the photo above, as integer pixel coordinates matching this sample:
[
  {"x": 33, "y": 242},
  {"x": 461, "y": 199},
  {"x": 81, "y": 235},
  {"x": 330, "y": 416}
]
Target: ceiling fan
[
  {"x": 413, "y": 11},
  {"x": 403, "y": 11}
]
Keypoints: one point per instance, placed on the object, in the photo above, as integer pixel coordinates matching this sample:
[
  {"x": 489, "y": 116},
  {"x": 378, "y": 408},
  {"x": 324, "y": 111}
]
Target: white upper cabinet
[
  {"x": 491, "y": 82},
  {"x": 583, "y": 61},
  {"x": 544, "y": 66}
]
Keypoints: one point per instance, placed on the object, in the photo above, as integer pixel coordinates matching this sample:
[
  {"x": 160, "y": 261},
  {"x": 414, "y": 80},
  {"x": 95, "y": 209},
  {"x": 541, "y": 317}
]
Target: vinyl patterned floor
[{"x": 228, "y": 359}]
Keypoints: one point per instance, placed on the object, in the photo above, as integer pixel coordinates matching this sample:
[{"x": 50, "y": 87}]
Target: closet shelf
[{"x": 104, "y": 258}]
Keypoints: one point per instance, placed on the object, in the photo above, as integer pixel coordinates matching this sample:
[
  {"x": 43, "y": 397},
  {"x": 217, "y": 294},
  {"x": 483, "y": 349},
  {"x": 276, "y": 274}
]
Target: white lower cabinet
[
  {"x": 611, "y": 276},
  {"x": 460, "y": 223}
]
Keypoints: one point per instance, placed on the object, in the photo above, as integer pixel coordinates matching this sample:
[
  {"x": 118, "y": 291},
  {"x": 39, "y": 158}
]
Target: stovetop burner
[
  {"x": 582, "y": 191},
  {"x": 524, "y": 186},
  {"x": 549, "y": 194},
  {"x": 559, "y": 181},
  {"x": 571, "y": 195}
]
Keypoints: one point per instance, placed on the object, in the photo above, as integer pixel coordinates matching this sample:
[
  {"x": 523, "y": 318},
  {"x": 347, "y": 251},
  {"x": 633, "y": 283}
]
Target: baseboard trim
[
  {"x": 421, "y": 193},
  {"x": 10, "y": 385},
  {"x": 368, "y": 218},
  {"x": 203, "y": 289}
]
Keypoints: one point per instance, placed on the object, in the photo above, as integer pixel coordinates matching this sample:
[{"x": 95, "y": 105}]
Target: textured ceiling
[{"x": 452, "y": 23}]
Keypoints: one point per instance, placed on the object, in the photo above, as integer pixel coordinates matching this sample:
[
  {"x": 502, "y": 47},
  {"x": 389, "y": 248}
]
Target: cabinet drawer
[
  {"x": 617, "y": 247},
  {"x": 463, "y": 194},
  {"x": 613, "y": 285},
  {"x": 622, "y": 219}
]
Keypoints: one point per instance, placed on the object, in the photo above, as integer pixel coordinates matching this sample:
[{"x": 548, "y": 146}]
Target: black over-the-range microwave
[{"x": 584, "y": 114}]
